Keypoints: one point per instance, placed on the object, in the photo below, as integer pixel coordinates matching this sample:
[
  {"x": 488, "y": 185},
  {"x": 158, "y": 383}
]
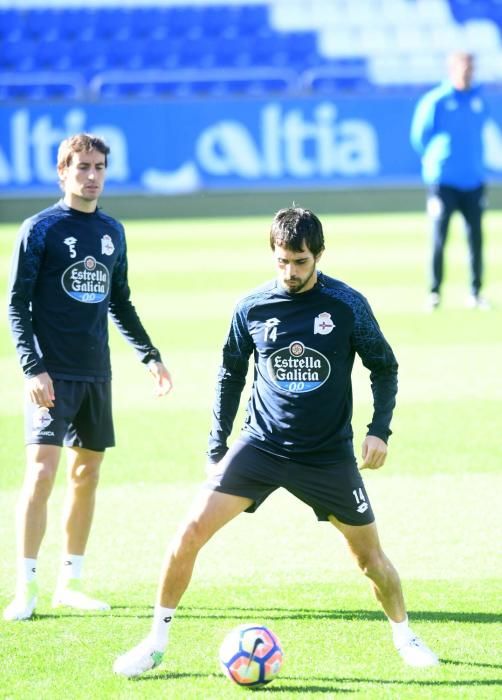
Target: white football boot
[
  {"x": 69, "y": 595},
  {"x": 476, "y": 301},
  {"x": 24, "y": 603},
  {"x": 138, "y": 660},
  {"x": 417, "y": 654},
  {"x": 433, "y": 301}
]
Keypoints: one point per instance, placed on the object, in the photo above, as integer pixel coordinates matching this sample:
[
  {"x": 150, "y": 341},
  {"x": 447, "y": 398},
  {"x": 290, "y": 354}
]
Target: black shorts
[
  {"x": 81, "y": 417},
  {"x": 329, "y": 489}
]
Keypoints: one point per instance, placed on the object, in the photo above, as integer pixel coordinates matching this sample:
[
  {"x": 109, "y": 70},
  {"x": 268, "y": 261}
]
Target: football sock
[
  {"x": 401, "y": 632},
  {"x": 71, "y": 568},
  {"x": 27, "y": 570},
  {"x": 162, "y": 618}
]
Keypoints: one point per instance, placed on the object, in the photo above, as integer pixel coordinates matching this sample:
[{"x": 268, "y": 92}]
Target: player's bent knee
[
  {"x": 192, "y": 537},
  {"x": 372, "y": 563}
]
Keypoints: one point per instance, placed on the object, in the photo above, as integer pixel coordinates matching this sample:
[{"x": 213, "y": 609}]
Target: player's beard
[{"x": 296, "y": 285}]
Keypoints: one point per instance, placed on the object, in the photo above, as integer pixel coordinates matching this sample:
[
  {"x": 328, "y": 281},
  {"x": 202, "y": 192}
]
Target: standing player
[
  {"x": 304, "y": 330},
  {"x": 446, "y": 132},
  {"x": 69, "y": 271}
]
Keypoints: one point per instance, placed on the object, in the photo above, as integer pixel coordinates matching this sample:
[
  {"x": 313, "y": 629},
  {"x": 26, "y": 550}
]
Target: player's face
[
  {"x": 461, "y": 71},
  {"x": 296, "y": 270},
  {"x": 83, "y": 180}
]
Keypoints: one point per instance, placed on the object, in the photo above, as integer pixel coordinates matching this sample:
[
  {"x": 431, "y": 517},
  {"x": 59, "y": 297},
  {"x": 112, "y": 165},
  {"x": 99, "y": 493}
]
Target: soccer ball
[{"x": 251, "y": 655}]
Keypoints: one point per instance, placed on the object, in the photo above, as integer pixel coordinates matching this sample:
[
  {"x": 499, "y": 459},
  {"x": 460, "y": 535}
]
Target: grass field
[{"x": 437, "y": 500}]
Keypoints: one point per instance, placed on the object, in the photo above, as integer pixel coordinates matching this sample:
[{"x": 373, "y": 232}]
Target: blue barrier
[{"x": 186, "y": 146}]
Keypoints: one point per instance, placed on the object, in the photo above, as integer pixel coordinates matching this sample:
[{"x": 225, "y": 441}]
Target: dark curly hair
[{"x": 295, "y": 226}]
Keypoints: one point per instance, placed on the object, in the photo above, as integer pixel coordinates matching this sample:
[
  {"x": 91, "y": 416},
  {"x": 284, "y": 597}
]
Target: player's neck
[{"x": 86, "y": 206}]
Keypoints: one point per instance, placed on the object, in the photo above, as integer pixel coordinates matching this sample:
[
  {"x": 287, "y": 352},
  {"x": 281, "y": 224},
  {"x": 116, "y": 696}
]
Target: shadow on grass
[
  {"x": 230, "y": 612},
  {"x": 269, "y": 688},
  {"x": 478, "y": 664},
  {"x": 330, "y": 684},
  {"x": 81, "y": 614}
]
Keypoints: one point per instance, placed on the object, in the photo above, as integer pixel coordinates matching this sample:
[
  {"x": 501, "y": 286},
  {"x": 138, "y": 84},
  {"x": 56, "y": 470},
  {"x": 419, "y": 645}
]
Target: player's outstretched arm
[
  {"x": 162, "y": 377},
  {"x": 374, "y": 452}
]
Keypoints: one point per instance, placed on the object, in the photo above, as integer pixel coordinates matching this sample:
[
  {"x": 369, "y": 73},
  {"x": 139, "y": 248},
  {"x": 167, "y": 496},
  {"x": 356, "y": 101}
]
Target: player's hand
[
  {"x": 41, "y": 390},
  {"x": 374, "y": 452},
  {"x": 162, "y": 378}
]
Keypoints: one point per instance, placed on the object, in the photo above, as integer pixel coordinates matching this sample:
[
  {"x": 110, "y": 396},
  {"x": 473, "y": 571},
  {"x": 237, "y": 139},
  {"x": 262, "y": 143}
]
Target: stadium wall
[{"x": 223, "y": 156}]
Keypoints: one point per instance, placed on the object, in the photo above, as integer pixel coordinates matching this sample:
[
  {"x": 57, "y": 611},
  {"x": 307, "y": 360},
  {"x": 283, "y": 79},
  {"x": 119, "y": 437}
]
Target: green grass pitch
[{"x": 437, "y": 500}]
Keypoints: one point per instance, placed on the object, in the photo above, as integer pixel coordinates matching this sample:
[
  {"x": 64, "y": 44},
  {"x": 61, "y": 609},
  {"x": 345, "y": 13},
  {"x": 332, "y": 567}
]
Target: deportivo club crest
[
  {"x": 298, "y": 368},
  {"x": 323, "y": 324},
  {"x": 107, "y": 246},
  {"x": 41, "y": 419}
]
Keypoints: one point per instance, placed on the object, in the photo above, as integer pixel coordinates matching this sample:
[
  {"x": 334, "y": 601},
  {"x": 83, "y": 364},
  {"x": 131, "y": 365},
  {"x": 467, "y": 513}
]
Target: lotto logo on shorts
[
  {"x": 298, "y": 368},
  {"x": 87, "y": 280}
]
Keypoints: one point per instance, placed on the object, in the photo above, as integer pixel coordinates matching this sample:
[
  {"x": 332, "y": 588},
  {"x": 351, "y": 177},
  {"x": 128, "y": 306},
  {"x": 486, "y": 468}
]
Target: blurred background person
[{"x": 446, "y": 131}]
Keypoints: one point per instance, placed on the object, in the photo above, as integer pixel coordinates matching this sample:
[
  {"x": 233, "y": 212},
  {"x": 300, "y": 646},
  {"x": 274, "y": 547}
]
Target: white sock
[
  {"x": 26, "y": 571},
  {"x": 71, "y": 567},
  {"x": 159, "y": 634},
  {"x": 401, "y": 632}
]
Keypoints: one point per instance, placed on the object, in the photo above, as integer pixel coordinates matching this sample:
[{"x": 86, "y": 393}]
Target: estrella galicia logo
[
  {"x": 298, "y": 368},
  {"x": 87, "y": 280}
]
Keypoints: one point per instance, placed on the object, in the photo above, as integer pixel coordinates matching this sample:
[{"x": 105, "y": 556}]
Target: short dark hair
[
  {"x": 295, "y": 226},
  {"x": 77, "y": 144}
]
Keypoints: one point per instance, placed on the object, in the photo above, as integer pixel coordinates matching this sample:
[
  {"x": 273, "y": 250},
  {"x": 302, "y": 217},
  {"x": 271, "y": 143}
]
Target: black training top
[
  {"x": 68, "y": 271},
  {"x": 304, "y": 347}
]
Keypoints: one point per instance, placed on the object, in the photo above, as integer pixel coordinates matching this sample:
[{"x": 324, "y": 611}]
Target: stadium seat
[
  {"x": 489, "y": 68},
  {"x": 17, "y": 56},
  {"x": 465, "y": 10},
  {"x": 190, "y": 82},
  {"x": 337, "y": 43},
  {"x": 410, "y": 39},
  {"x": 185, "y": 21},
  {"x": 434, "y": 12},
  {"x": 398, "y": 42},
  {"x": 124, "y": 54},
  {"x": 88, "y": 56},
  {"x": 251, "y": 20},
  {"x": 301, "y": 50},
  {"x": 481, "y": 35},
  {"x": 78, "y": 23},
  {"x": 112, "y": 23},
  {"x": 349, "y": 74},
  {"x": 195, "y": 54},
  {"x": 219, "y": 21},
  {"x": 388, "y": 70},
  {"x": 150, "y": 23},
  {"x": 159, "y": 53},
  {"x": 270, "y": 50},
  {"x": 11, "y": 25},
  {"x": 234, "y": 52},
  {"x": 296, "y": 15},
  {"x": 53, "y": 55},
  {"x": 42, "y": 24},
  {"x": 41, "y": 86}
]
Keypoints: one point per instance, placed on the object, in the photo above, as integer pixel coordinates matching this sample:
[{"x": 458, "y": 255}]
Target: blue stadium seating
[
  {"x": 335, "y": 51},
  {"x": 465, "y": 10},
  {"x": 11, "y": 25}
]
